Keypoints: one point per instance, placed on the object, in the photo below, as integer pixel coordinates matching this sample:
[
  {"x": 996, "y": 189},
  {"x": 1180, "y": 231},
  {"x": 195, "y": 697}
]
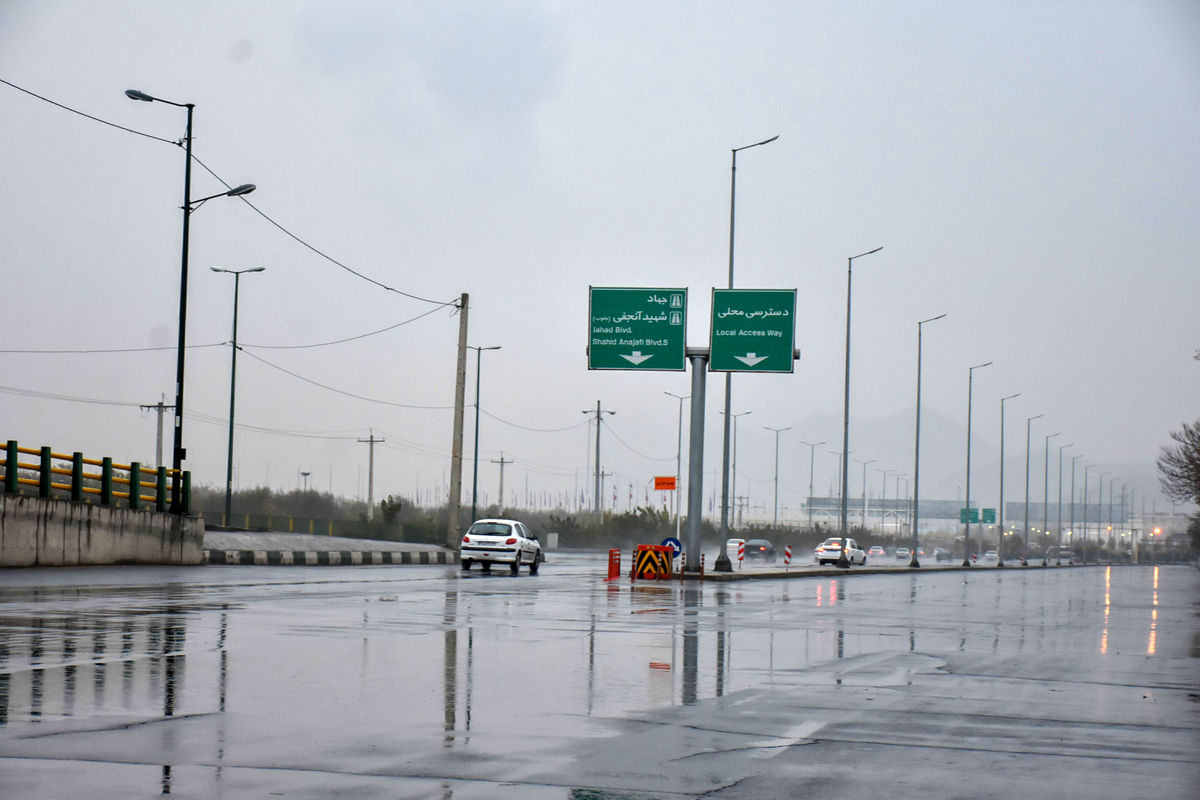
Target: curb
[{"x": 331, "y": 558}]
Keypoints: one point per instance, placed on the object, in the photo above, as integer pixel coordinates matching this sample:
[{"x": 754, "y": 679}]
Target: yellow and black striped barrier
[{"x": 652, "y": 562}]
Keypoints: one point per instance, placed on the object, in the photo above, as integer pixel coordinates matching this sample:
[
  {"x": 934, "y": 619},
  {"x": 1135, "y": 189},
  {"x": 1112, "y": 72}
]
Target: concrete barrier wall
[{"x": 48, "y": 532}]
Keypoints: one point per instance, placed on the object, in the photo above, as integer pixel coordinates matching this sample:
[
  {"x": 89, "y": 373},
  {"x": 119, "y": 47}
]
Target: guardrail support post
[
  {"x": 106, "y": 482},
  {"x": 44, "y": 474},
  {"x": 77, "y": 477},
  {"x": 160, "y": 490},
  {"x": 135, "y": 485},
  {"x": 10, "y": 466}
]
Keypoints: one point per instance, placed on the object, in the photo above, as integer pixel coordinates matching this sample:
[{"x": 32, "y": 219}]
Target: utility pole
[
  {"x": 502, "y": 462},
  {"x": 371, "y": 441},
  {"x": 160, "y": 407},
  {"x": 460, "y": 390},
  {"x": 599, "y": 412}
]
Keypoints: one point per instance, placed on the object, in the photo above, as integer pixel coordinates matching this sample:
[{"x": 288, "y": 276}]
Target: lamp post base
[{"x": 723, "y": 564}]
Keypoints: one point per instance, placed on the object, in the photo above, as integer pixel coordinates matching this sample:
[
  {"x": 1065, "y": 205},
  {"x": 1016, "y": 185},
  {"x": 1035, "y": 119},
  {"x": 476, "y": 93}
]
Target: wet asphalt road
[{"x": 420, "y": 681}]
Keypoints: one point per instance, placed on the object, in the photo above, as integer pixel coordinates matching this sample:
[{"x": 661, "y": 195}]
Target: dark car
[{"x": 760, "y": 550}]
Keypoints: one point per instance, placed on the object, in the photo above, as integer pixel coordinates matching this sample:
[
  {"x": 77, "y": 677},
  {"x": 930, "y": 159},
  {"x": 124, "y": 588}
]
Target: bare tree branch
[{"x": 1179, "y": 466}]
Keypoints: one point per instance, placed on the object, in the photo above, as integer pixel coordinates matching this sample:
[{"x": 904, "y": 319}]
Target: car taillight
[
  {"x": 510, "y": 541},
  {"x": 762, "y": 548},
  {"x": 466, "y": 540}
]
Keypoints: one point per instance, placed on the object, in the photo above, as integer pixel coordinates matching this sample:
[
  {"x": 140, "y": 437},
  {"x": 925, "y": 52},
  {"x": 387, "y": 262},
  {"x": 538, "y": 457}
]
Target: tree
[{"x": 1179, "y": 466}]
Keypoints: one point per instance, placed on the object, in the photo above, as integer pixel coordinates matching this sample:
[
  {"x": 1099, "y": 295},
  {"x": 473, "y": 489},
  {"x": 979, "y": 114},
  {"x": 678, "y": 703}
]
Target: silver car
[{"x": 500, "y": 541}]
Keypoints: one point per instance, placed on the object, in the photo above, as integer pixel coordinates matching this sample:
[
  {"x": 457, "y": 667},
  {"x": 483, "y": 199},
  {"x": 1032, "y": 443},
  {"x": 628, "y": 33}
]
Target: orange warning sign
[{"x": 664, "y": 483}]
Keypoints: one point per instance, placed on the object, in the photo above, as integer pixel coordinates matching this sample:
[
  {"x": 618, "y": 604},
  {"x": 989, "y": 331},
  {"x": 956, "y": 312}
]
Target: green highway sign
[
  {"x": 989, "y": 516},
  {"x": 639, "y": 329},
  {"x": 752, "y": 330},
  {"x": 968, "y": 515}
]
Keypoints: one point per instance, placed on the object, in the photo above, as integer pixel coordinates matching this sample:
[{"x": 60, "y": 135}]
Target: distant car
[
  {"x": 875, "y": 550},
  {"x": 500, "y": 541},
  {"x": 942, "y": 554},
  {"x": 731, "y": 548},
  {"x": 991, "y": 556},
  {"x": 760, "y": 550},
  {"x": 903, "y": 554},
  {"x": 830, "y": 551}
]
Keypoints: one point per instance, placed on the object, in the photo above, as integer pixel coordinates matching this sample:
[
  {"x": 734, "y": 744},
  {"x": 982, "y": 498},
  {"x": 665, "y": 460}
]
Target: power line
[
  {"x": 536, "y": 430},
  {"x": 260, "y": 212},
  {"x": 109, "y": 350},
  {"x": 345, "y": 393}
]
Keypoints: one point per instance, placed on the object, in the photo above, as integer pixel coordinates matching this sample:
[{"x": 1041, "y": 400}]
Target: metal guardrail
[{"x": 135, "y": 485}]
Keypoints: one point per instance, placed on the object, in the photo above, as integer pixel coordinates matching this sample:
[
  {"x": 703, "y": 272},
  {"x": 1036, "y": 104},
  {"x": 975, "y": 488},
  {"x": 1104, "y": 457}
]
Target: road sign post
[
  {"x": 752, "y": 330},
  {"x": 636, "y": 329}
]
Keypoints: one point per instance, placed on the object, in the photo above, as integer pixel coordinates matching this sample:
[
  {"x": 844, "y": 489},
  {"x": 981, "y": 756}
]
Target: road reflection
[{"x": 521, "y": 658}]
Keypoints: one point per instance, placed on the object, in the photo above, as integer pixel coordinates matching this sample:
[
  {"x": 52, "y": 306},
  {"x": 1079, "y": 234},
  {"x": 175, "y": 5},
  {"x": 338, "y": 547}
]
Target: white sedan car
[
  {"x": 830, "y": 550},
  {"x": 500, "y": 541}
]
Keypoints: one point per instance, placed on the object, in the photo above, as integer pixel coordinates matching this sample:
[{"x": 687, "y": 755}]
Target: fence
[{"x": 114, "y": 485}]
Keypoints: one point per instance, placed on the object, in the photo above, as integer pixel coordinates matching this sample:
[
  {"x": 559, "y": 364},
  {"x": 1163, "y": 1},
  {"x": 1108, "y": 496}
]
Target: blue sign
[{"x": 674, "y": 544}]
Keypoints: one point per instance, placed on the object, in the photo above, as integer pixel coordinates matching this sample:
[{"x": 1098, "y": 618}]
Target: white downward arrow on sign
[
  {"x": 750, "y": 359},
  {"x": 636, "y": 357}
]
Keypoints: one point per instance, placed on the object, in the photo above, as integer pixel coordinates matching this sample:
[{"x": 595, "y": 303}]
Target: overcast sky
[{"x": 1031, "y": 169}]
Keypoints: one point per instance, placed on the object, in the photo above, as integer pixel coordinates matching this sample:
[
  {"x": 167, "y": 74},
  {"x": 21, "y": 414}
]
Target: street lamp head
[
  {"x": 135, "y": 94},
  {"x": 869, "y": 252},
  {"x": 756, "y": 144},
  {"x": 238, "y": 191},
  {"x": 981, "y": 366}
]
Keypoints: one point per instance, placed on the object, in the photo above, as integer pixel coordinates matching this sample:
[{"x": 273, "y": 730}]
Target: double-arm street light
[
  {"x": 812, "y": 455},
  {"x": 1046, "y": 494},
  {"x": 189, "y": 205},
  {"x": 722, "y": 559},
  {"x": 678, "y": 456},
  {"x": 970, "y": 387},
  {"x": 237, "y": 279},
  {"x": 1025, "y": 521},
  {"x": 842, "y": 562},
  {"x": 475, "y": 475},
  {"x": 914, "y": 561},
  {"x": 1000, "y": 546},
  {"x": 777, "y": 432},
  {"x": 733, "y": 472},
  {"x": 1059, "y": 537},
  {"x": 865, "y": 463}
]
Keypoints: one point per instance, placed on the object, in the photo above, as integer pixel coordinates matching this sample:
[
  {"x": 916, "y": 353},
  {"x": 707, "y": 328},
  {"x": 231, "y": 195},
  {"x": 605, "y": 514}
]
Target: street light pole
[
  {"x": 475, "y": 471},
  {"x": 883, "y": 499},
  {"x": 678, "y": 457},
  {"x": 812, "y": 456},
  {"x": 1025, "y": 521},
  {"x": 733, "y": 472},
  {"x": 1059, "y": 528},
  {"x": 178, "y": 452},
  {"x": 1000, "y": 547},
  {"x": 914, "y": 561},
  {"x": 970, "y": 389},
  {"x": 1046, "y": 491},
  {"x": 722, "y": 557},
  {"x": 1083, "y": 549},
  {"x": 842, "y": 562},
  {"x": 599, "y": 412},
  {"x": 864, "y": 491},
  {"x": 1073, "y": 459},
  {"x": 777, "y": 432},
  {"x": 237, "y": 278}
]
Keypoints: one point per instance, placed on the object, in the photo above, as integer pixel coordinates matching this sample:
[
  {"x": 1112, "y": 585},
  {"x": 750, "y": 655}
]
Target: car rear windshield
[
  {"x": 832, "y": 543},
  {"x": 490, "y": 529}
]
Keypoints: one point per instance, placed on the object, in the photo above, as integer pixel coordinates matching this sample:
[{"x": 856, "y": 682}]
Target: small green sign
[
  {"x": 637, "y": 329},
  {"x": 989, "y": 516},
  {"x": 752, "y": 330},
  {"x": 968, "y": 515}
]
